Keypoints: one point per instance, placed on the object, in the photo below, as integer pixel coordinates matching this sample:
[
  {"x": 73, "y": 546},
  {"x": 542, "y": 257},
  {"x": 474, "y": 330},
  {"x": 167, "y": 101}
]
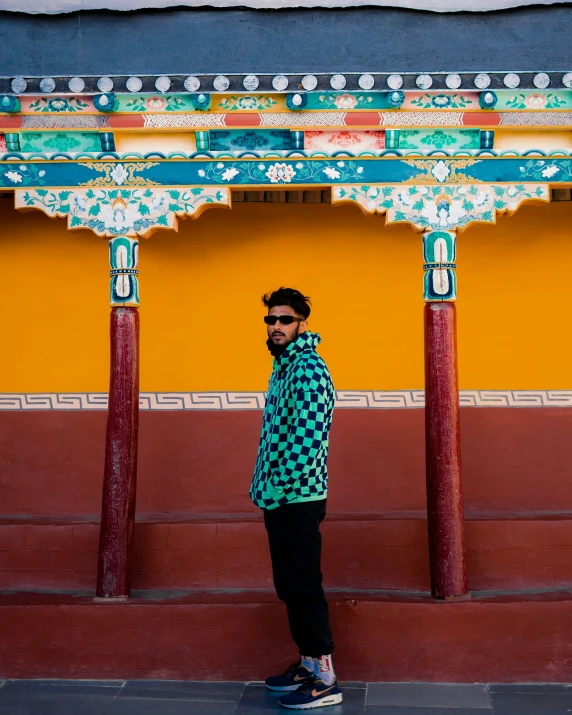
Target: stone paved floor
[{"x": 154, "y": 697}]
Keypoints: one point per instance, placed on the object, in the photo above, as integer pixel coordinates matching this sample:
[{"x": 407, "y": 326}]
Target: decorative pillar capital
[
  {"x": 439, "y": 256},
  {"x": 449, "y": 207},
  {"x": 129, "y": 211},
  {"x": 124, "y": 283}
]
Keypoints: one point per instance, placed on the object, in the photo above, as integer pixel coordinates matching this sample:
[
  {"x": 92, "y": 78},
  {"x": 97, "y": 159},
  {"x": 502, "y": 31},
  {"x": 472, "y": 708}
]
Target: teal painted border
[{"x": 283, "y": 172}]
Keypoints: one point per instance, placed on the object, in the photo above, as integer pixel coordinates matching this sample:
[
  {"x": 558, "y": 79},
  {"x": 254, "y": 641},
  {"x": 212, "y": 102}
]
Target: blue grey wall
[{"x": 189, "y": 41}]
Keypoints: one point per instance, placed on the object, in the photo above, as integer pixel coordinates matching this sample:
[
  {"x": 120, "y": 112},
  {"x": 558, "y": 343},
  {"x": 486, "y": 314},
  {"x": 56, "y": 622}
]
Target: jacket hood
[{"x": 304, "y": 341}]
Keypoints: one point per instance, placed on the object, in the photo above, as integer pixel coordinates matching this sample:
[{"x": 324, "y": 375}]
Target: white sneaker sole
[{"x": 324, "y": 702}]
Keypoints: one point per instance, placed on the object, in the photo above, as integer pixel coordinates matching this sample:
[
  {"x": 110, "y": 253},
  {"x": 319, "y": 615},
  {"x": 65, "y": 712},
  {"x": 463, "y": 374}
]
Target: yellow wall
[{"x": 202, "y": 317}]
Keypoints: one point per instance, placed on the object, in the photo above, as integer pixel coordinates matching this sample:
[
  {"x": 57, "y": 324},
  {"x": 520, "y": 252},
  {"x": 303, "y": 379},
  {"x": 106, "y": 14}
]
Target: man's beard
[{"x": 277, "y": 350}]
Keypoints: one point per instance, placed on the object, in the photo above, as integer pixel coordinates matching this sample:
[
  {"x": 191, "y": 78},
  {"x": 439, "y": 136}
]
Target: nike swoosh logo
[
  {"x": 315, "y": 693},
  {"x": 297, "y": 678}
]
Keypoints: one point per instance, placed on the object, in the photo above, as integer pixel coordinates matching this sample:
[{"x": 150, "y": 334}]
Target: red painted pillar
[
  {"x": 120, "y": 475},
  {"x": 442, "y": 423}
]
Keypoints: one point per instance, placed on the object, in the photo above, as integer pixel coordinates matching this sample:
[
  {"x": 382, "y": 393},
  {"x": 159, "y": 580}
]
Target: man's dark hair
[{"x": 288, "y": 296}]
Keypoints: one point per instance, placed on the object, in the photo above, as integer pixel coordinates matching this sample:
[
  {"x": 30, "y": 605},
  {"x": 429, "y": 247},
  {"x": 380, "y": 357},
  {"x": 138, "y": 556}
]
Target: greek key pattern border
[{"x": 345, "y": 399}]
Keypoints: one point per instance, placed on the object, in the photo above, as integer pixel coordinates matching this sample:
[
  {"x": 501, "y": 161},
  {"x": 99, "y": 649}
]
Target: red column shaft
[
  {"x": 443, "y": 453},
  {"x": 120, "y": 477}
]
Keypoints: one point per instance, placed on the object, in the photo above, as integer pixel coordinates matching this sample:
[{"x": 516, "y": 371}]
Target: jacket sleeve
[{"x": 307, "y": 433}]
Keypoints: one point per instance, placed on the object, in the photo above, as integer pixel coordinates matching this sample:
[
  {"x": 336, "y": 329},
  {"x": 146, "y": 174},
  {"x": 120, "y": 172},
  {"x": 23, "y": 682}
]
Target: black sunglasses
[{"x": 284, "y": 319}]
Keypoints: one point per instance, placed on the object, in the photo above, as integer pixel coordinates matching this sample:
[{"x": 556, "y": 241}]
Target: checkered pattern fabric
[{"x": 293, "y": 450}]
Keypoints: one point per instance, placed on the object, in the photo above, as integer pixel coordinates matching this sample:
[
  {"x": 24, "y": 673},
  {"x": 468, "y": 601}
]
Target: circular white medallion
[
  {"x": 280, "y": 82},
  {"x": 424, "y": 81},
  {"x": 541, "y": 80},
  {"x": 192, "y": 84},
  {"x": 221, "y": 83},
  {"x": 395, "y": 81},
  {"x": 134, "y": 84},
  {"x": 366, "y": 81},
  {"x": 250, "y": 82},
  {"x": 163, "y": 83},
  {"x": 76, "y": 84},
  {"x": 309, "y": 82},
  {"x": 103, "y": 100},
  {"x": 453, "y": 81},
  {"x": 567, "y": 80},
  {"x": 105, "y": 84},
  {"x": 482, "y": 80},
  {"x": 18, "y": 85},
  {"x": 297, "y": 100},
  {"x": 337, "y": 81},
  {"x": 47, "y": 84},
  {"x": 511, "y": 80}
]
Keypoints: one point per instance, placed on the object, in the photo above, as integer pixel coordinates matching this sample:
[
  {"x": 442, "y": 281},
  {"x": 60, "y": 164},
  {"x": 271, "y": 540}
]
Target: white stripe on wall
[{"x": 345, "y": 399}]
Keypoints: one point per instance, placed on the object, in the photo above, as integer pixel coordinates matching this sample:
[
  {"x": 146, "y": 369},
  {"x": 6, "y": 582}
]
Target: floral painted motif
[
  {"x": 280, "y": 174},
  {"x": 58, "y": 104},
  {"x": 345, "y": 100},
  {"x": 330, "y": 141},
  {"x": 250, "y": 172},
  {"x": 14, "y": 176},
  {"x": 229, "y": 174},
  {"x": 128, "y": 212},
  {"x": 439, "y": 139},
  {"x": 538, "y": 170},
  {"x": 62, "y": 142},
  {"x": 161, "y": 103},
  {"x": 331, "y": 173},
  {"x": 27, "y": 175},
  {"x": 344, "y": 139},
  {"x": 50, "y": 142},
  {"x": 438, "y": 170},
  {"x": 524, "y": 100},
  {"x": 250, "y": 140},
  {"x": 247, "y": 103},
  {"x": 441, "y": 207},
  {"x": 441, "y": 101},
  {"x": 377, "y": 138},
  {"x": 119, "y": 174}
]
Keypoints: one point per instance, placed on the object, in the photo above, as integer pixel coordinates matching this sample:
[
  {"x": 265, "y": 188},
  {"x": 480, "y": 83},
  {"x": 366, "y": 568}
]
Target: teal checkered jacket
[{"x": 293, "y": 450}]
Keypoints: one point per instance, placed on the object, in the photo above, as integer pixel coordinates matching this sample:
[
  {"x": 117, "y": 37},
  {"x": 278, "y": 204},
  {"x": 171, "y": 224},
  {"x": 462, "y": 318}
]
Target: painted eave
[{"x": 66, "y": 6}]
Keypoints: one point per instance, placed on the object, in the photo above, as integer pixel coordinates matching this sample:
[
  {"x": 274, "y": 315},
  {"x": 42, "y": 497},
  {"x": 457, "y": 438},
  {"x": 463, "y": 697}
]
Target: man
[{"x": 290, "y": 484}]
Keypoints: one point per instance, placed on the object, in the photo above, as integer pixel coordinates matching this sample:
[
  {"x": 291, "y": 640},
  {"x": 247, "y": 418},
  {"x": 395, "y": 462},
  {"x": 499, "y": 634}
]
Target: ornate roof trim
[{"x": 65, "y": 6}]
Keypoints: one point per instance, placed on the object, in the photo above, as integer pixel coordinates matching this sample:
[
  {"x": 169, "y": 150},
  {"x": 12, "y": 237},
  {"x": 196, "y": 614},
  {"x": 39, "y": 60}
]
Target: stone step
[{"x": 242, "y": 634}]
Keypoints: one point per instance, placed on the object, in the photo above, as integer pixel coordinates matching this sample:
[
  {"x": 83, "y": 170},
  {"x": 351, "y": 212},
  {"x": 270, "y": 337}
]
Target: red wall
[
  {"x": 515, "y": 461},
  {"x": 199, "y": 534}
]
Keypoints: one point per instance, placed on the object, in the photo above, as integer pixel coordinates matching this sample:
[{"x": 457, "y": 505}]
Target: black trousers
[{"x": 296, "y": 550}]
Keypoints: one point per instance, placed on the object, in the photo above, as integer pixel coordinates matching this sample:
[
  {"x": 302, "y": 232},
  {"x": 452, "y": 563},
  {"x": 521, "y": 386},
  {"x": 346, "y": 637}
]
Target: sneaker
[
  {"x": 291, "y": 679},
  {"x": 313, "y": 694}
]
